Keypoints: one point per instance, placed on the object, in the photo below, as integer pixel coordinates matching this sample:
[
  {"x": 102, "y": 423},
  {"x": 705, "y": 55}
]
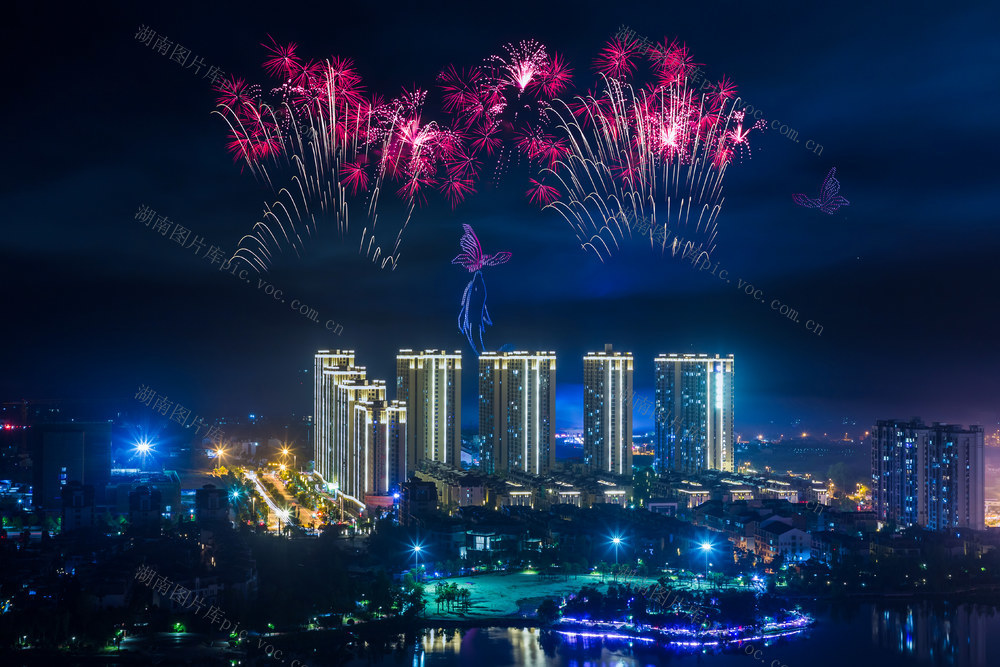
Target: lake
[{"x": 855, "y": 634}]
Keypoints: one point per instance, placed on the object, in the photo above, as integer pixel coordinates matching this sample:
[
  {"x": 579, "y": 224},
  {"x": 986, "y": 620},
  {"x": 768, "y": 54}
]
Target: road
[
  {"x": 306, "y": 515},
  {"x": 273, "y": 511}
]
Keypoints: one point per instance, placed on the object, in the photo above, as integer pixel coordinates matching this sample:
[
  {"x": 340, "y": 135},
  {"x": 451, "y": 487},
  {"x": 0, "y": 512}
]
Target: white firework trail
[{"x": 655, "y": 155}]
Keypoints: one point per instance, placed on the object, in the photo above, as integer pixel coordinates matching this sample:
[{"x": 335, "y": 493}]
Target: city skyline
[{"x": 295, "y": 429}]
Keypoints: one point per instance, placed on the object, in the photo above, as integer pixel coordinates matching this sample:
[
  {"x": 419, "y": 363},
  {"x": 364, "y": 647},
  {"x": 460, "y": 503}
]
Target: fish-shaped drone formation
[
  {"x": 474, "y": 313},
  {"x": 829, "y": 200}
]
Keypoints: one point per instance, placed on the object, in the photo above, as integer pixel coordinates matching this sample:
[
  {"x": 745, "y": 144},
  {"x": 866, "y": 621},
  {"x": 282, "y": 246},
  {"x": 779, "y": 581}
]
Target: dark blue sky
[{"x": 903, "y": 98}]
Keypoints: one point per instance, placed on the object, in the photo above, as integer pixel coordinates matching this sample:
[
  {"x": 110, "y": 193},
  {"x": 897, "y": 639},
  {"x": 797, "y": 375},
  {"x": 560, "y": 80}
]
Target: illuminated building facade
[
  {"x": 930, "y": 476},
  {"x": 694, "y": 407},
  {"x": 517, "y": 411},
  {"x": 349, "y": 455},
  {"x": 380, "y": 434},
  {"x": 330, "y": 369},
  {"x": 429, "y": 384},
  {"x": 607, "y": 411}
]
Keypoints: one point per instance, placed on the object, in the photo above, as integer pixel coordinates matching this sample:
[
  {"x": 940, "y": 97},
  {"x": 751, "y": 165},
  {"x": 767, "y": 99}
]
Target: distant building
[
  {"x": 607, "y": 411},
  {"x": 145, "y": 509},
  {"x": 517, "y": 411},
  {"x": 167, "y": 484},
  {"x": 429, "y": 384},
  {"x": 776, "y": 538},
  {"x": 77, "y": 506},
  {"x": 211, "y": 504},
  {"x": 930, "y": 476},
  {"x": 380, "y": 435},
  {"x": 419, "y": 500},
  {"x": 454, "y": 488},
  {"x": 694, "y": 409},
  {"x": 65, "y": 452}
]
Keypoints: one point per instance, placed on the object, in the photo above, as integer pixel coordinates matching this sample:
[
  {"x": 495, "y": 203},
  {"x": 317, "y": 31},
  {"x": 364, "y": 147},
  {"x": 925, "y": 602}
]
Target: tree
[
  {"x": 439, "y": 595},
  {"x": 548, "y": 611}
]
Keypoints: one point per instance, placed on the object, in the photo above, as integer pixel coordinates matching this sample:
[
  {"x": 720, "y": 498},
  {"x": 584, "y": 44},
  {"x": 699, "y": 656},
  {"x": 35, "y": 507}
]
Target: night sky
[{"x": 904, "y": 101}]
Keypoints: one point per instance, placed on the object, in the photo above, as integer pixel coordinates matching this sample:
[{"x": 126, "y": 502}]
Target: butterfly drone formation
[
  {"x": 473, "y": 317},
  {"x": 829, "y": 200}
]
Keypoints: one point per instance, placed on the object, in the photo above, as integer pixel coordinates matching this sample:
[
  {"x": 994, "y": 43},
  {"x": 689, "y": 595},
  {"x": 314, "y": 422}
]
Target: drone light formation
[
  {"x": 829, "y": 199},
  {"x": 473, "y": 316}
]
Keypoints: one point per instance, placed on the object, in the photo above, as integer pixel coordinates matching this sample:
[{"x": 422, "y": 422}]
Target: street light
[
  {"x": 416, "y": 559},
  {"x": 616, "y": 541},
  {"x": 285, "y": 451},
  {"x": 707, "y": 548}
]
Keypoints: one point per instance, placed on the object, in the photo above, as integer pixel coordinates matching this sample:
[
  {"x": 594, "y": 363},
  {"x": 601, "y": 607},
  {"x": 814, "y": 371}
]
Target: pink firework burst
[
  {"x": 354, "y": 176},
  {"x": 463, "y": 165},
  {"x": 525, "y": 61},
  {"x": 737, "y": 136},
  {"x": 486, "y": 138},
  {"x": 629, "y": 146},
  {"x": 541, "y": 194},
  {"x": 236, "y": 92},
  {"x": 463, "y": 93},
  {"x": 283, "y": 62},
  {"x": 618, "y": 58},
  {"x": 455, "y": 189},
  {"x": 555, "y": 77},
  {"x": 724, "y": 90}
]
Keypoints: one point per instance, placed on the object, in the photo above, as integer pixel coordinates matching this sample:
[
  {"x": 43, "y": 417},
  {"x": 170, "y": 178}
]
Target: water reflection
[
  {"x": 937, "y": 634},
  {"x": 903, "y": 634}
]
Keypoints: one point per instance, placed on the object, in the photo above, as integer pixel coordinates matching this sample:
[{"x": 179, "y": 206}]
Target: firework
[
  {"x": 500, "y": 105},
  {"x": 339, "y": 149},
  {"x": 658, "y": 151}
]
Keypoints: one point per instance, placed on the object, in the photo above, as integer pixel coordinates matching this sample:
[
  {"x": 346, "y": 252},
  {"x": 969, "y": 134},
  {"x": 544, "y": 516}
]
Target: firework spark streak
[
  {"x": 624, "y": 152},
  {"x": 659, "y": 151},
  {"x": 340, "y": 149}
]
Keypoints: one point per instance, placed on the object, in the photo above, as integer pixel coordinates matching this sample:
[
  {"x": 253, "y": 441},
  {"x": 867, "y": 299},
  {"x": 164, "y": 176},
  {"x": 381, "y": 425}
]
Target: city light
[
  {"x": 616, "y": 542},
  {"x": 416, "y": 548},
  {"x": 706, "y": 548}
]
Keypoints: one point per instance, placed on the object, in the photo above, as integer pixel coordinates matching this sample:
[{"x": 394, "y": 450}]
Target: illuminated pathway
[{"x": 274, "y": 509}]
